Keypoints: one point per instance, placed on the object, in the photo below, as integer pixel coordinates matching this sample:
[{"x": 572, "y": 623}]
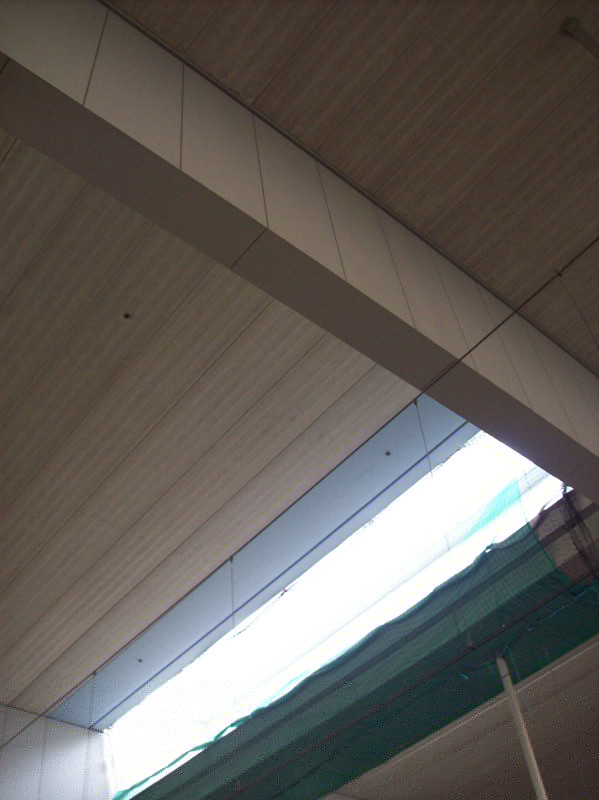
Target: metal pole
[{"x": 531, "y": 761}]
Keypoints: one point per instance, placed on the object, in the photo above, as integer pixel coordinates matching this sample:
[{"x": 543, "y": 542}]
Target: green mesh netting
[{"x": 401, "y": 683}]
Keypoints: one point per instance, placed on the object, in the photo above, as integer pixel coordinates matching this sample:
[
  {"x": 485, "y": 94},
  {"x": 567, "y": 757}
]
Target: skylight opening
[{"x": 480, "y": 496}]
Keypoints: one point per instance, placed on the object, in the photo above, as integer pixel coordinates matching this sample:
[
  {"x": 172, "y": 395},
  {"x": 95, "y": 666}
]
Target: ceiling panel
[
  {"x": 536, "y": 73},
  {"x": 127, "y": 413},
  {"x": 154, "y": 398},
  {"x": 402, "y": 115},
  {"x": 535, "y": 172},
  {"x": 474, "y": 122},
  {"x": 336, "y": 68},
  {"x": 101, "y": 344},
  {"x": 35, "y": 193},
  {"x": 62, "y": 282},
  {"x": 245, "y": 44},
  {"x": 155, "y": 475},
  {"x": 201, "y": 490},
  {"x": 358, "y": 413},
  {"x": 177, "y": 22}
]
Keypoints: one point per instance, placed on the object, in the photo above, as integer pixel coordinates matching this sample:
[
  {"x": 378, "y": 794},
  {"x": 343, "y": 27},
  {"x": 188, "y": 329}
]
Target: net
[{"x": 404, "y": 681}]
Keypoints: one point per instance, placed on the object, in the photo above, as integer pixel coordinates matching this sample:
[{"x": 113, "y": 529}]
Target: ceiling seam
[
  {"x": 91, "y": 72},
  {"x": 145, "y": 512},
  {"x": 308, "y": 36},
  {"x": 83, "y": 313},
  {"x": 156, "y": 501},
  {"x": 128, "y": 454},
  {"x": 49, "y": 238},
  {"x": 188, "y": 46},
  {"x": 475, "y": 88},
  {"x": 109, "y": 386},
  {"x": 551, "y": 383},
  {"x": 7, "y": 152},
  {"x": 508, "y": 156},
  {"x": 248, "y": 106},
  {"x": 181, "y": 118},
  {"x": 512, "y": 313},
  {"x": 330, "y": 218},
  {"x": 215, "y": 513},
  {"x": 582, "y": 316},
  {"x": 253, "y": 118},
  {"x": 393, "y": 261}
]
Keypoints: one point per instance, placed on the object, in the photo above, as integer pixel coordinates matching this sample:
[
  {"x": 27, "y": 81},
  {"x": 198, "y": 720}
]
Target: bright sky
[{"x": 423, "y": 538}]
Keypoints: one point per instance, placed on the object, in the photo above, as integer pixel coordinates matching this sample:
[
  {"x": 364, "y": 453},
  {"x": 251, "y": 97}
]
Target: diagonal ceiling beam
[{"x": 96, "y": 95}]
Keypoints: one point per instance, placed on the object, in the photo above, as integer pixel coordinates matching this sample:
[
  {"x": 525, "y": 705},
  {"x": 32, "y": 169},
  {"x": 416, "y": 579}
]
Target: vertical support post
[{"x": 529, "y": 756}]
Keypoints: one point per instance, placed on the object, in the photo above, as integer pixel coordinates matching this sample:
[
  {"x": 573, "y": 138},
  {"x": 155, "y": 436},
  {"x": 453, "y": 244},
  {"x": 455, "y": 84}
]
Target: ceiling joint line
[
  {"x": 291, "y": 55},
  {"x": 112, "y": 383},
  {"x": 80, "y": 579},
  {"x": 562, "y": 283},
  {"x": 508, "y": 157},
  {"x": 457, "y": 109},
  {"x": 93, "y": 67},
  {"x": 182, "y": 113},
  {"x": 140, "y": 27},
  {"x": 49, "y": 238},
  {"x": 137, "y": 242},
  {"x": 326, "y": 201},
  {"x": 294, "y": 140},
  {"x": 104, "y": 481},
  {"x": 513, "y": 312},
  {"x": 253, "y": 118}
]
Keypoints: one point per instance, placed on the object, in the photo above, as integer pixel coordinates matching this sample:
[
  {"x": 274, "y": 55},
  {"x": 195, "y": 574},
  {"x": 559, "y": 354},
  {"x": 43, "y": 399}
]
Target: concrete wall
[{"x": 45, "y": 760}]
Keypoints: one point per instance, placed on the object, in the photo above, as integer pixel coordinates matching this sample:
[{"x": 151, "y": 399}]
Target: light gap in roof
[{"x": 479, "y": 496}]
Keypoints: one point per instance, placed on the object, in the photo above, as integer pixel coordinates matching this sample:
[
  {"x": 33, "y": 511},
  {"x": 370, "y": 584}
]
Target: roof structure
[{"x": 237, "y": 240}]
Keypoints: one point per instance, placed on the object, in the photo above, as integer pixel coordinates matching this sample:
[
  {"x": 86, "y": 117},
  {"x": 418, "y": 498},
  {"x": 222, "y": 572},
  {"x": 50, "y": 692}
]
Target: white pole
[{"x": 531, "y": 761}]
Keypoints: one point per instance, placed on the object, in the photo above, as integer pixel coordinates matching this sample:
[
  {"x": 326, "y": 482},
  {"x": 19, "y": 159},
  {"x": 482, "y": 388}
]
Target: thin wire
[
  {"x": 563, "y": 284},
  {"x": 446, "y": 535},
  {"x": 396, "y": 696}
]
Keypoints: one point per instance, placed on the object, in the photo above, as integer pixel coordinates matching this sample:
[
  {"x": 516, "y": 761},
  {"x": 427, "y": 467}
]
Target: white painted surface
[
  {"x": 424, "y": 289},
  {"x": 138, "y": 87},
  {"x": 47, "y": 760},
  {"x": 532, "y": 374},
  {"x": 366, "y": 259},
  {"x": 492, "y": 359},
  {"x": 56, "y": 40},
  {"x": 588, "y": 384},
  {"x": 473, "y": 316},
  {"x": 296, "y": 207},
  {"x": 566, "y": 377},
  {"x": 219, "y": 145}
]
